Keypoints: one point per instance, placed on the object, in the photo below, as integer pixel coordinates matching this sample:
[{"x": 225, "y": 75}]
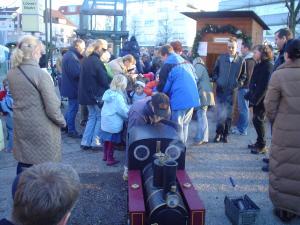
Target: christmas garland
[{"x": 210, "y": 28}]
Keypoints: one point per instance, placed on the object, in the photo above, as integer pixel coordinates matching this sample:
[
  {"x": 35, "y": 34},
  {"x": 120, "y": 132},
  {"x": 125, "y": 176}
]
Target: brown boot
[{"x": 110, "y": 155}]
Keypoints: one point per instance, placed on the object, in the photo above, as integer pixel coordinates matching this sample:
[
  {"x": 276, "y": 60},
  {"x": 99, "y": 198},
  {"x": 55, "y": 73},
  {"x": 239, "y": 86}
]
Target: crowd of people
[{"x": 137, "y": 89}]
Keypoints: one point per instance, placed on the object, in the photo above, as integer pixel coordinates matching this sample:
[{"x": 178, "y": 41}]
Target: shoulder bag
[{"x": 27, "y": 78}]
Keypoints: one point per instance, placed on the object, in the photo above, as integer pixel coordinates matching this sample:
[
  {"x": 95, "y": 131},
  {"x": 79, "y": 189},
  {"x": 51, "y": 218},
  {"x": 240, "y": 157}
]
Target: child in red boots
[{"x": 113, "y": 114}]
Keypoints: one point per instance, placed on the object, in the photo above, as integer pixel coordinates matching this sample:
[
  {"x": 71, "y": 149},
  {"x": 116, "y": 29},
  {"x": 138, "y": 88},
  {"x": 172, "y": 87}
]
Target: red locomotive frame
[{"x": 136, "y": 203}]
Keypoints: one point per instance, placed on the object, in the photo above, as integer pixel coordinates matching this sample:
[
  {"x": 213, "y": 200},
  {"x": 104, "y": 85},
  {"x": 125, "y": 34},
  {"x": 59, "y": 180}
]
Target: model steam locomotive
[{"x": 159, "y": 190}]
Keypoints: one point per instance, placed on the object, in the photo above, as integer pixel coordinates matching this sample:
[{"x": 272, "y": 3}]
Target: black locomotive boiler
[{"x": 159, "y": 190}]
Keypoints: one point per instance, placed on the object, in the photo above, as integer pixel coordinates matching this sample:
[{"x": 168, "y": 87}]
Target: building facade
[
  {"x": 273, "y": 13},
  {"x": 10, "y": 24},
  {"x": 71, "y": 12},
  {"x": 63, "y": 30},
  {"x": 11, "y": 27},
  {"x": 155, "y": 22}
]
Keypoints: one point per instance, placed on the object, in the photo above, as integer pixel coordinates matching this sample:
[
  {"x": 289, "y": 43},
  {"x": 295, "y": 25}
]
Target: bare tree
[
  {"x": 134, "y": 28},
  {"x": 165, "y": 31},
  {"x": 293, "y": 16}
]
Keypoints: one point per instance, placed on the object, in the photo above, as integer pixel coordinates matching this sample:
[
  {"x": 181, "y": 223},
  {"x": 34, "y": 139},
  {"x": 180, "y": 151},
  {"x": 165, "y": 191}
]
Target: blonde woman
[
  {"x": 37, "y": 116},
  {"x": 93, "y": 83},
  {"x": 114, "y": 112},
  {"x": 125, "y": 65},
  {"x": 122, "y": 65}
]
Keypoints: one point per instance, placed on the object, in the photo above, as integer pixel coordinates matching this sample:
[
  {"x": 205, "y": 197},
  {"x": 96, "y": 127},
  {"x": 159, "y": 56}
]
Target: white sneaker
[
  {"x": 237, "y": 132},
  {"x": 234, "y": 131}
]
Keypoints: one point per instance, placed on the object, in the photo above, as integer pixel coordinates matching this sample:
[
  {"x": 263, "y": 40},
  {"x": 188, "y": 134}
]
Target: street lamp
[
  {"x": 46, "y": 29},
  {"x": 51, "y": 49},
  {"x": 48, "y": 18}
]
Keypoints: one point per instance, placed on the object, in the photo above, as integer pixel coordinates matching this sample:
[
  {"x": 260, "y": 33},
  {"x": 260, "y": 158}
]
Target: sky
[{"x": 56, "y": 3}]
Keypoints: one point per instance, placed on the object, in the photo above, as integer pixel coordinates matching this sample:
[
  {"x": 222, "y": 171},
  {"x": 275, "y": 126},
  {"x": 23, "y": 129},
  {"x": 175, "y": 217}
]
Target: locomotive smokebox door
[{"x": 145, "y": 141}]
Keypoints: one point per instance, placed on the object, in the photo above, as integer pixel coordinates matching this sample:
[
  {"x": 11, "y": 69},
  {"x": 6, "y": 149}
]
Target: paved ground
[{"x": 209, "y": 166}]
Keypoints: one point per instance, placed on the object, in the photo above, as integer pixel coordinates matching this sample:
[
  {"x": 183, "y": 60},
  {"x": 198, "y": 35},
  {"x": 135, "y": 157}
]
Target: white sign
[
  {"x": 33, "y": 23},
  {"x": 221, "y": 40},
  {"x": 6, "y": 25},
  {"x": 32, "y": 7},
  {"x": 202, "y": 48},
  {"x": 32, "y": 18}
]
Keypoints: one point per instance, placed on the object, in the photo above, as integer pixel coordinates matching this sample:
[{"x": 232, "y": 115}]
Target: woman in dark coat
[
  {"x": 257, "y": 91},
  {"x": 93, "y": 83}
]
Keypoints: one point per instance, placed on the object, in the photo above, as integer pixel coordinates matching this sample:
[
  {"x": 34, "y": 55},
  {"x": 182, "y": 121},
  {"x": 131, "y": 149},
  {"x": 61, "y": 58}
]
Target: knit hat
[
  {"x": 293, "y": 49},
  {"x": 161, "y": 105},
  {"x": 141, "y": 83}
]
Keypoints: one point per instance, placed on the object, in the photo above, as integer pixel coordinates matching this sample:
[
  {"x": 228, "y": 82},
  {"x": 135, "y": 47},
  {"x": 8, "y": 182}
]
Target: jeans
[
  {"x": 70, "y": 115},
  {"x": 202, "y": 125},
  {"x": 91, "y": 135},
  {"x": 10, "y": 133},
  {"x": 183, "y": 118},
  {"x": 84, "y": 113},
  {"x": 259, "y": 117},
  {"x": 243, "y": 107},
  {"x": 224, "y": 112}
]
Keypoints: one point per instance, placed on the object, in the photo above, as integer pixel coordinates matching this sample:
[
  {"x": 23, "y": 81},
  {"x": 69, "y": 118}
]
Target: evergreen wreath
[{"x": 211, "y": 28}]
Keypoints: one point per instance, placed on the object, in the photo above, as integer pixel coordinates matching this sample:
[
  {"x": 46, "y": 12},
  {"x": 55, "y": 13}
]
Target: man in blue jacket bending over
[{"x": 177, "y": 80}]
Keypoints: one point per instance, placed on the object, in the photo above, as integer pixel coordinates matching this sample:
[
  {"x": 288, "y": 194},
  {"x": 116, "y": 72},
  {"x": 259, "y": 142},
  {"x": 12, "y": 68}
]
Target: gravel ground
[{"x": 103, "y": 199}]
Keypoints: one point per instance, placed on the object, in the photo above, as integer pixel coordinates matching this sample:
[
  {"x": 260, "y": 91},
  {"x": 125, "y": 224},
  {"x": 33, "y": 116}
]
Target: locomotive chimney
[
  {"x": 158, "y": 166},
  {"x": 169, "y": 175},
  {"x": 158, "y": 146}
]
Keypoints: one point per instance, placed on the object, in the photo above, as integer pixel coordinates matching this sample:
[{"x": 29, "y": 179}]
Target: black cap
[
  {"x": 292, "y": 47},
  {"x": 161, "y": 105}
]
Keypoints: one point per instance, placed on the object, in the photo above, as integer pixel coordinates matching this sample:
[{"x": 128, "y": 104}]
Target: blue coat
[
  {"x": 114, "y": 111},
  {"x": 180, "y": 84},
  {"x": 228, "y": 75},
  {"x": 70, "y": 73}
]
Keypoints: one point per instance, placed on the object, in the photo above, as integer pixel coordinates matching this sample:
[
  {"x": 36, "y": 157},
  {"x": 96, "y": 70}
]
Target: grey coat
[
  {"x": 204, "y": 86},
  {"x": 37, "y": 116},
  {"x": 228, "y": 74}
]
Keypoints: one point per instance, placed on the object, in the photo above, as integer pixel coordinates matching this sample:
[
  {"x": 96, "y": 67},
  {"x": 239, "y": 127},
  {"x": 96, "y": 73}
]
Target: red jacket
[
  {"x": 2, "y": 94},
  {"x": 149, "y": 87}
]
